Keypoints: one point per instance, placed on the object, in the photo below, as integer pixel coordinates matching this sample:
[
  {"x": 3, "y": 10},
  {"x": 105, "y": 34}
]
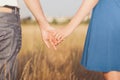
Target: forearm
[
  {"x": 85, "y": 8},
  {"x": 36, "y": 9}
]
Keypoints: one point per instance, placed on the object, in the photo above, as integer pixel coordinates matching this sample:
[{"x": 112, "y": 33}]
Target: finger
[
  {"x": 52, "y": 41},
  {"x": 47, "y": 43},
  {"x": 53, "y": 44},
  {"x": 58, "y": 42},
  {"x": 57, "y": 35},
  {"x": 60, "y": 37}
]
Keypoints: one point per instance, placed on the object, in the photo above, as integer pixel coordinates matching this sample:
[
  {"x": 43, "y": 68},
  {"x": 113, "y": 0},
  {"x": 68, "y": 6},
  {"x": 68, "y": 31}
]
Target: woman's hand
[
  {"x": 61, "y": 34},
  {"x": 85, "y": 8}
]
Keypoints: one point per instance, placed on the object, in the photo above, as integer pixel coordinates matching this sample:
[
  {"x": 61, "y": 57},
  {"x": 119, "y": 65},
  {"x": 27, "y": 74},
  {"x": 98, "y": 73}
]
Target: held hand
[
  {"x": 61, "y": 34},
  {"x": 47, "y": 36}
]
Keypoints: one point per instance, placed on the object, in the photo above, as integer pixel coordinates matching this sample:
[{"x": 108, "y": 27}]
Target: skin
[
  {"x": 112, "y": 75},
  {"x": 53, "y": 37},
  {"x": 46, "y": 30},
  {"x": 85, "y": 8},
  {"x": 3, "y": 9},
  {"x": 83, "y": 11}
]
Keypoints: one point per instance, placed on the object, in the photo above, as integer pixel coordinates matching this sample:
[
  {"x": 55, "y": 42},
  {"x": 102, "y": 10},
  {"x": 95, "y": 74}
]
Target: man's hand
[
  {"x": 35, "y": 7},
  {"x": 47, "y": 36}
]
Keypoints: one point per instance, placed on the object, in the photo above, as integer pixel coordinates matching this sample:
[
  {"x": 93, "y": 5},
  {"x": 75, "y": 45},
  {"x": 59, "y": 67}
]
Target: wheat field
[{"x": 37, "y": 62}]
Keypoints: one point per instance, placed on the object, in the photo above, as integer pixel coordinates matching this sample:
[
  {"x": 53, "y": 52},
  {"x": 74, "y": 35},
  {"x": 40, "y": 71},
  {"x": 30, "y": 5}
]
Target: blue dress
[{"x": 101, "y": 51}]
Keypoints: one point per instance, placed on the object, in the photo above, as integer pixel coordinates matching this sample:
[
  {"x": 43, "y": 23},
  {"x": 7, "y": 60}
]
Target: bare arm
[
  {"x": 85, "y": 8},
  {"x": 36, "y": 9},
  {"x": 46, "y": 30}
]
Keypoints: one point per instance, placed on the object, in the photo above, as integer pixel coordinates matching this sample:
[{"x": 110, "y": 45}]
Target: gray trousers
[{"x": 10, "y": 44}]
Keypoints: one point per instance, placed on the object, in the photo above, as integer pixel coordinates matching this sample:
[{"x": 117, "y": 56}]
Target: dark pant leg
[{"x": 10, "y": 44}]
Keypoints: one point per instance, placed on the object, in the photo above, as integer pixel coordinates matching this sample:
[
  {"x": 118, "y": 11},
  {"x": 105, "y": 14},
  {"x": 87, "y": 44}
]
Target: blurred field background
[{"x": 37, "y": 62}]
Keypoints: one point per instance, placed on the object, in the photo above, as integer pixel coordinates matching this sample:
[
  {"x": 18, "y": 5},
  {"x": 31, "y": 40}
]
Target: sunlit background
[
  {"x": 54, "y": 8},
  {"x": 36, "y": 61}
]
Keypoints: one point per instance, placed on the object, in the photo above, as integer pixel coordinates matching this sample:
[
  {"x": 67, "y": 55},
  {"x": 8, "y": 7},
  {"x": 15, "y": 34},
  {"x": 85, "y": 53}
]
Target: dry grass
[{"x": 36, "y": 62}]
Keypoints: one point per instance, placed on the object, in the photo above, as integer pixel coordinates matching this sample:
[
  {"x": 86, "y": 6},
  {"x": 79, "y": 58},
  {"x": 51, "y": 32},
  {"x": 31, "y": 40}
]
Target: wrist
[
  {"x": 70, "y": 27},
  {"x": 74, "y": 23},
  {"x": 44, "y": 26},
  {"x": 43, "y": 23}
]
